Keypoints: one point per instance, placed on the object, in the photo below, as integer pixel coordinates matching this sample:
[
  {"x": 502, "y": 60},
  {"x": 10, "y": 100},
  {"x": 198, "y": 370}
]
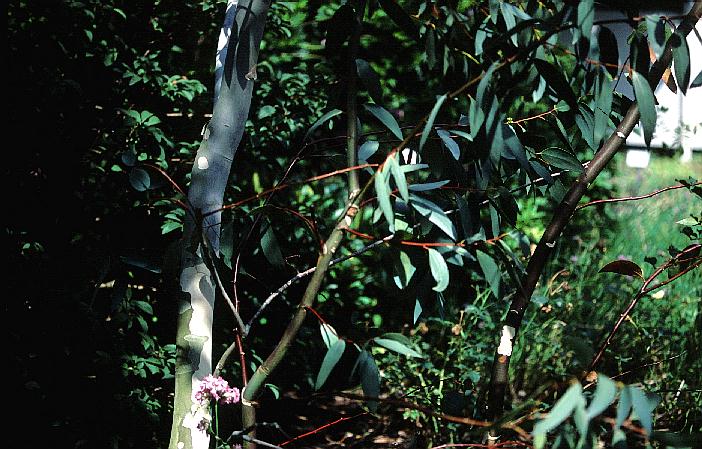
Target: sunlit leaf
[
  {"x": 605, "y": 393},
  {"x": 382, "y": 190},
  {"x": 449, "y": 143},
  {"x": 439, "y": 270},
  {"x": 561, "y": 410},
  {"x": 399, "y": 177},
  {"x": 329, "y": 335},
  {"x": 394, "y": 344},
  {"x": 367, "y": 150},
  {"x": 434, "y": 214},
  {"x": 332, "y": 357},
  {"x": 385, "y": 118}
]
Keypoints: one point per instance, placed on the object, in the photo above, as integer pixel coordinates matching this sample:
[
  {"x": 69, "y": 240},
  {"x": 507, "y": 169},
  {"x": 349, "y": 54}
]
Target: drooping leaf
[
  {"x": 603, "y": 107},
  {"x": 271, "y": 249},
  {"x": 646, "y": 103},
  {"x": 643, "y": 405},
  {"x": 586, "y": 16},
  {"x": 400, "y": 17},
  {"x": 367, "y": 150},
  {"x": 370, "y": 80},
  {"x": 430, "y": 121},
  {"x": 382, "y": 191},
  {"x": 397, "y": 346},
  {"x": 491, "y": 272},
  {"x": 417, "y": 311},
  {"x": 605, "y": 393},
  {"x": 405, "y": 269},
  {"x": 562, "y": 159},
  {"x": 697, "y": 82},
  {"x": 385, "y": 118},
  {"x": 609, "y": 50},
  {"x": 427, "y": 186},
  {"x": 655, "y": 28},
  {"x": 624, "y": 406},
  {"x": 561, "y": 410},
  {"x": 370, "y": 378},
  {"x": 439, "y": 270},
  {"x": 139, "y": 179},
  {"x": 329, "y": 335},
  {"x": 625, "y": 267},
  {"x": 434, "y": 214},
  {"x": 681, "y": 61},
  {"x": 399, "y": 177},
  {"x": 332, "y": 357},
  {"x": 449, "y": 143},
  {"x": 321, "y": 121},
  {"x": 556, "y": 82}
]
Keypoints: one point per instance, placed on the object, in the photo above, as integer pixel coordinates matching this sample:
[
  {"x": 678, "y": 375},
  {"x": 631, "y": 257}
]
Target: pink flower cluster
[{"x": 217, "y": 389}]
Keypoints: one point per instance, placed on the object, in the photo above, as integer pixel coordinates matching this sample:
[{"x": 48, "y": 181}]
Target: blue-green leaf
[
  {"x": 271, "y": 249},
  {"x": 643, "y": 406},
  {"x": 561, "y": 410},
  {"x": 386, "y": 118},
  {"x": 417, "y": 311},
  {"x": 655, "y": 28},
  {"x": 439, "y": 270},
  {"x": 425, "y": 187},
  {"x": 332, "y": 357},
  {"x": 449, "y": 143},
  {"x": 399, "y": 176},
  {"x": 139, "y": 179},
  {"x": 382, "y": 190},
  {"x": 605, "y": 393},
  {"x": 370, "y": 378},
  {"x": 624, "y": 406},
  {"x": 681, "y": 61},
  {"x": 434, "y": 214},
  {"x": 392, "y": 343},
  {"x": 405, "y": 269},
  {"x": 603, "y": 107},
  {"x": 697, "y": 82},
  {"x": 646, "y": 103},
  {"x": 490, "y": 270},
  {"x": 367, "y": 150},
  {"x": 561, "y": 159},
  {"x": 430, "y": 120},
  {"x": 329, "y": 335},
  {"x": 321, "y": 121}
]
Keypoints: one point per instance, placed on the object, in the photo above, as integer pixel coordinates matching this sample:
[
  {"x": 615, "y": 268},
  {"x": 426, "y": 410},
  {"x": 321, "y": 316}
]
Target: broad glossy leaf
[
  {"x": 439, "y": 270},
  {"x": 681, "y": 61},
  {"x": 332, "y": 357},
  {"x": 321, "y": 121},
  {"x": 605, "y": 393},
  {"x": 430, "y": 121},
  {"x": 370, "y": 80},
  {"x": 561, "y": 410},
  {"x": 561, "y": 159},
  {"x": 625, "y": 267},
  {"x": 647, "y": 105},
  {"x": 397, "y": 346},
  {"x": 449, "y": 143},
  {"x": 386, "y": 118},
  {"x": 490, "y": 270}
]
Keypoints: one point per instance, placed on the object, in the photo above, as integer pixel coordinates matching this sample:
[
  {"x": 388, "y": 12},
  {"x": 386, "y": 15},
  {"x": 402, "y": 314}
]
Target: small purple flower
[{"x": 218, "y": 389}]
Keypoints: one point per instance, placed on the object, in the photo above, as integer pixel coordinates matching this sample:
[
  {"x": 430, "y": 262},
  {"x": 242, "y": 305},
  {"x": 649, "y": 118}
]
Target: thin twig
[{"x": 635, "y": 198}]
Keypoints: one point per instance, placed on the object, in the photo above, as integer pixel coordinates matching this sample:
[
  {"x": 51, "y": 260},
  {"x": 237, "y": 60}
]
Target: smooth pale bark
[{"x": 210, "y": 174}]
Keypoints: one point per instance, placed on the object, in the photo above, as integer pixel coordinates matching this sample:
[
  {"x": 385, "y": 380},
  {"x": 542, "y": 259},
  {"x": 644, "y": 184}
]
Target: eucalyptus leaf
[
  {"x": 430, "y": 120},
  {"x": 646, "y": 103},
  {"x": 332, "y": 357},
  {"x": 439, "y": 270},
  {"x": 326, "y": 117},
  {"x": 385, "y": 118}
]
